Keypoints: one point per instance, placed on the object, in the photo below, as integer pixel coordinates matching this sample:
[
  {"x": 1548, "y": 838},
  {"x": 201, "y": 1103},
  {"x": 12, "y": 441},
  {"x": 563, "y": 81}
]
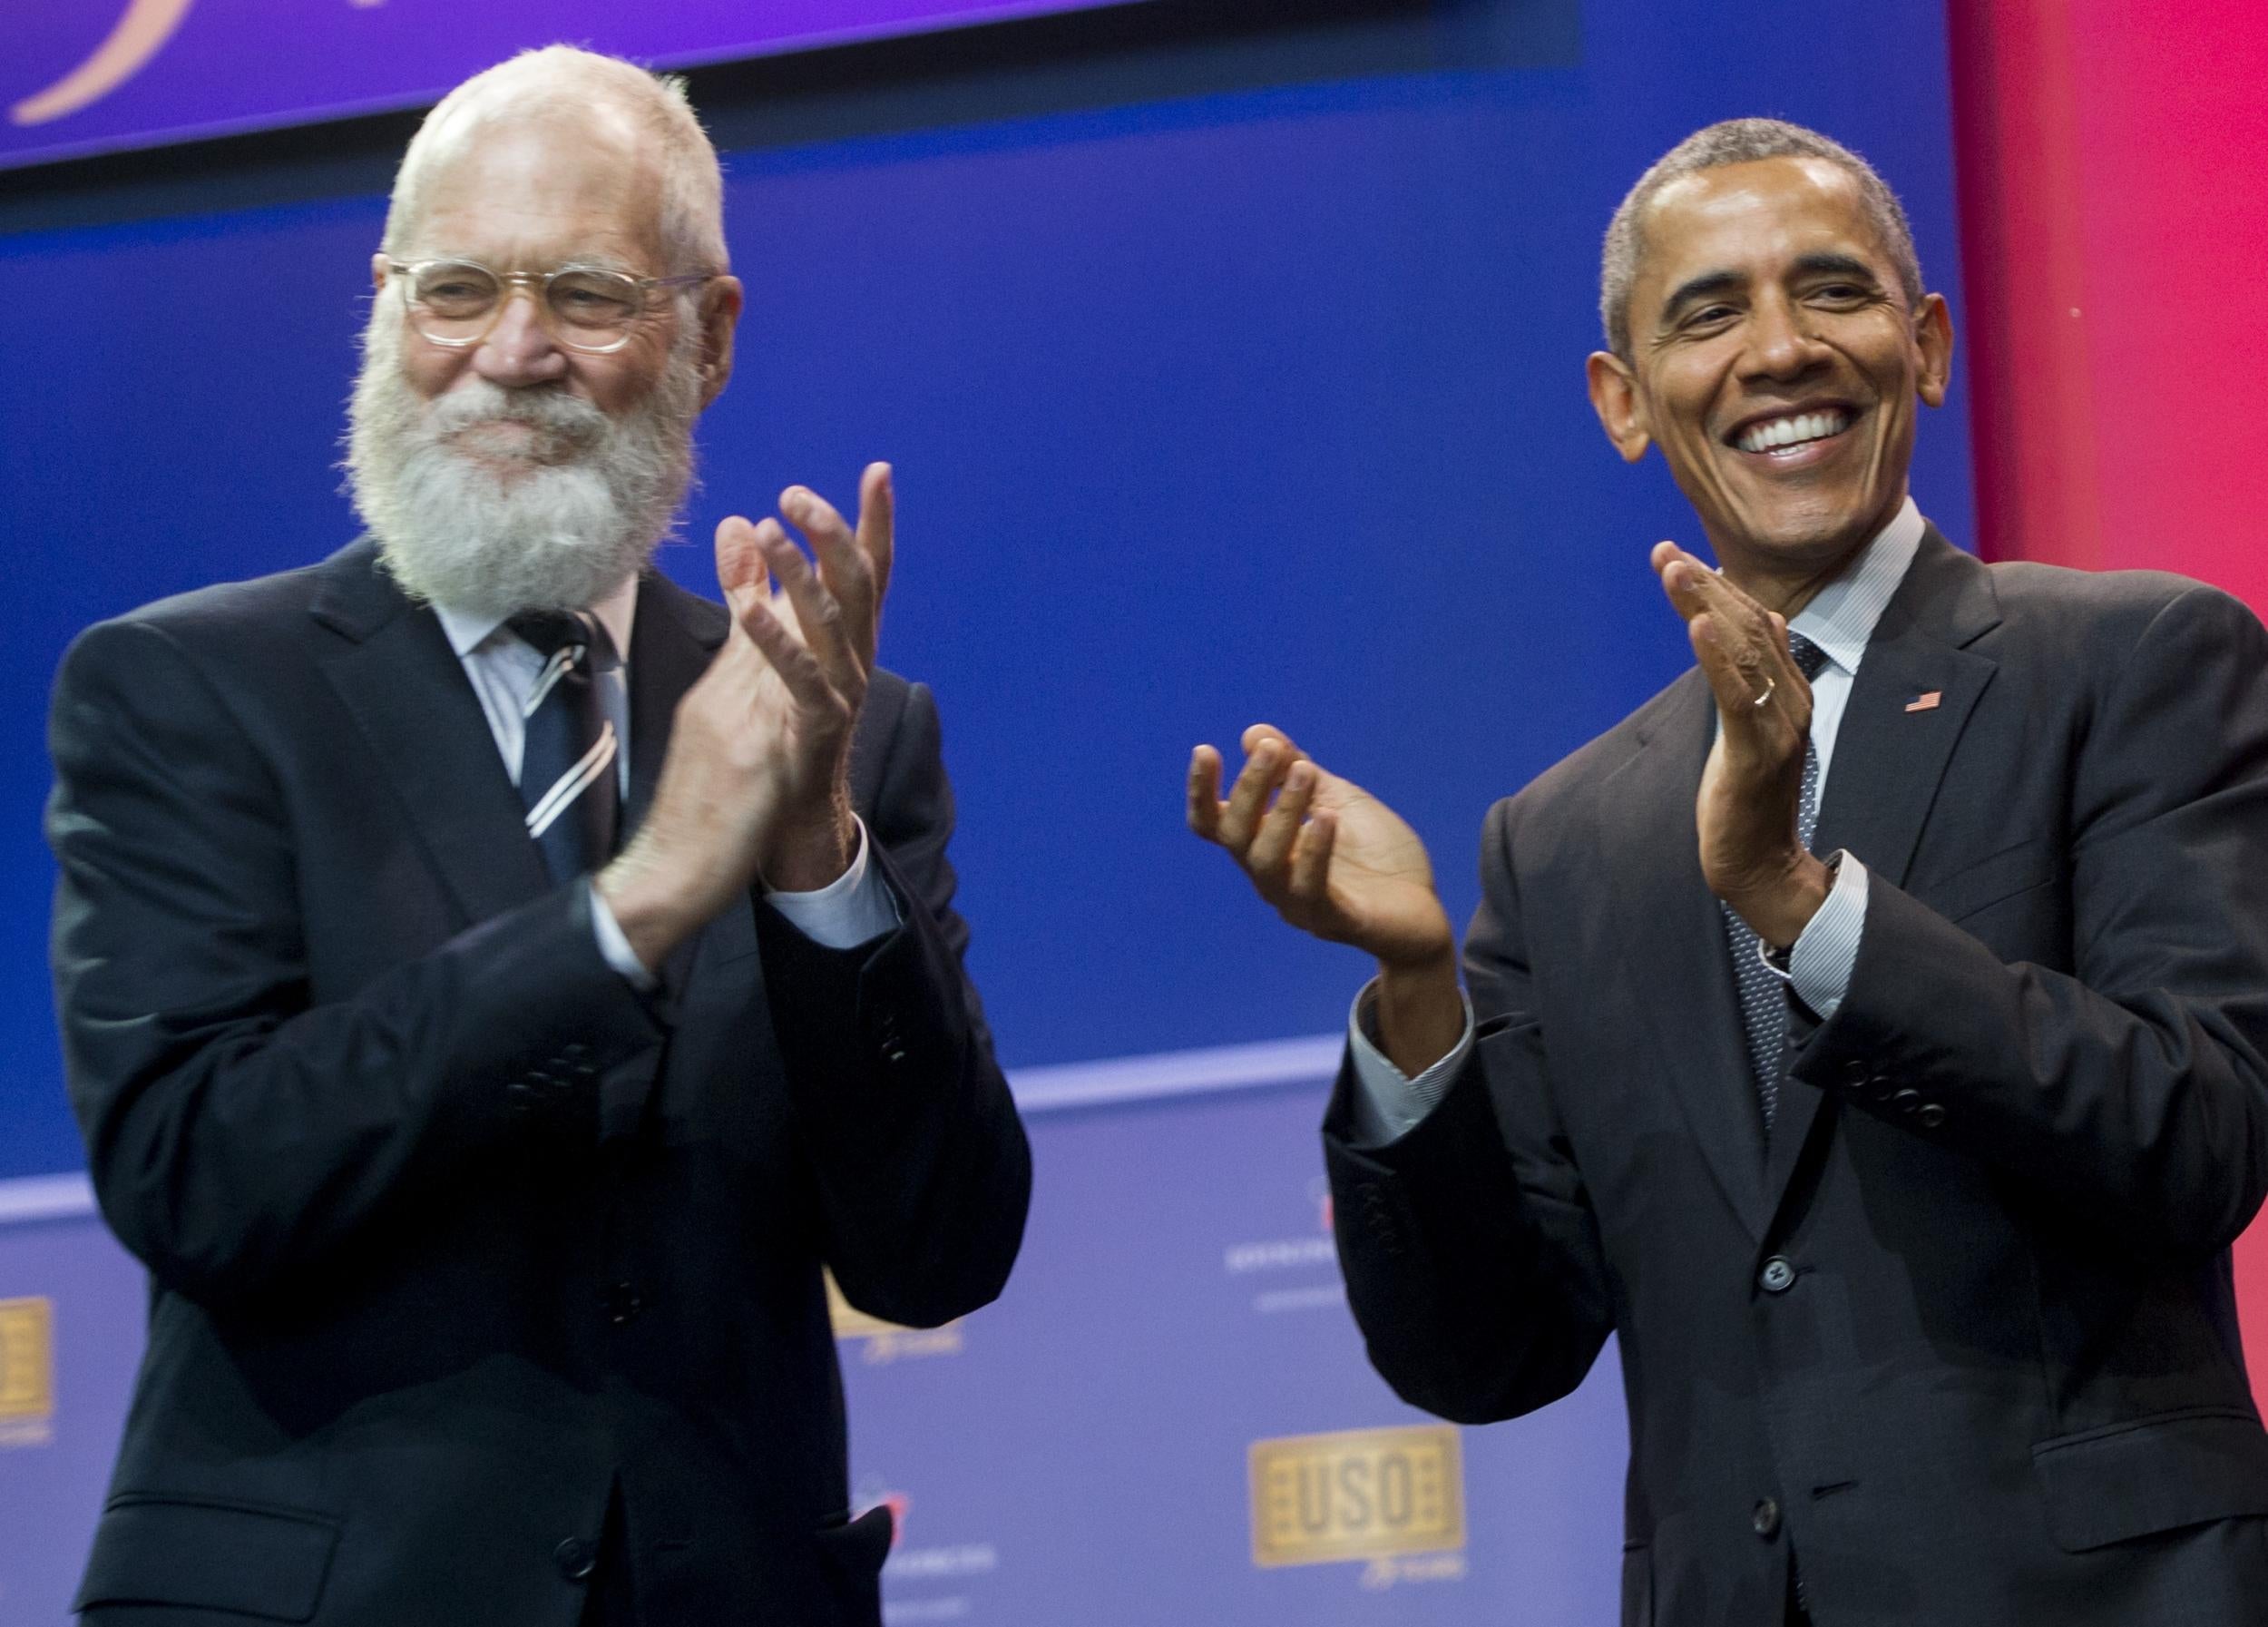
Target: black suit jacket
[
  {"x": 451, "y": 1233},
  {"x": 1963, "y": 1335}
]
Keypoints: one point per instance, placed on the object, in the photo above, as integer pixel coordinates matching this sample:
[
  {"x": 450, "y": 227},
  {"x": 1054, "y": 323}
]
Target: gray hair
[
  {"x": 1741, "y": 142},
  {"x": 565, "y": 81}
]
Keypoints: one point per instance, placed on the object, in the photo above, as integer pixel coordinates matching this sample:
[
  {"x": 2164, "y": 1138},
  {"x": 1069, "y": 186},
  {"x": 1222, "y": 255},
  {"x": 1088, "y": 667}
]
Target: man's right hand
[
  {"x": 1337, "y": 862},
  {"x": 757, "y": 774}
]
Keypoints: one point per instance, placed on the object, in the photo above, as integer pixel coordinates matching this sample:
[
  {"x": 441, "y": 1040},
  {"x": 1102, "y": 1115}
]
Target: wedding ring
[{"x": 1771, "y": 685}]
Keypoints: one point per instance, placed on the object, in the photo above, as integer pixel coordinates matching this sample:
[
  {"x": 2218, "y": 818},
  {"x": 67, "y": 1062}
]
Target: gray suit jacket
[{"x": 1962, "y": 1337}]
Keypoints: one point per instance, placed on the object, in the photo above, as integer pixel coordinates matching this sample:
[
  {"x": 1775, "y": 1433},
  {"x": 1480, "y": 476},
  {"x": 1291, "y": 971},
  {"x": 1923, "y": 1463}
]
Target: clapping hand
[
  {"x": 1751, "y": 854},
  {"x": 1336, "y": 862},
  {"x": 757, "y": 780}
]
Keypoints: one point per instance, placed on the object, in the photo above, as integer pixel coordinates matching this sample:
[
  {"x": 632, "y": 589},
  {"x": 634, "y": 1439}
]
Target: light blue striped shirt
[{"x": 1840, "y": 620}]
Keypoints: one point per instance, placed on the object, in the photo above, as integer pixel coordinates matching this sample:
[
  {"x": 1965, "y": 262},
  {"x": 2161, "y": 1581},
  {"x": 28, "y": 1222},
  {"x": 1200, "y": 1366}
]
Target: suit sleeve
[
  {"x": 1472, "y": 1254},
  {"x": 922, "y": 1167},
  {"x": 2134, "y": 1085},
  {"x": 237, "y": 1135}
]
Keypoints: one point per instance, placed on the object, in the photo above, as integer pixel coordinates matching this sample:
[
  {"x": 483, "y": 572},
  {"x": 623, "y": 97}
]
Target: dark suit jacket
[
  {"x": 450, "y": 1232},
  {"x": 1964, "y": 1335}
]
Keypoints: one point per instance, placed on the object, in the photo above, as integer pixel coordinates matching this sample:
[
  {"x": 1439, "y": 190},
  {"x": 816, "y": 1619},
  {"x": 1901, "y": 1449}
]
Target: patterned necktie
[
  {"x": 567, "y": 773},
  {"x": 1764, "y": 995}
]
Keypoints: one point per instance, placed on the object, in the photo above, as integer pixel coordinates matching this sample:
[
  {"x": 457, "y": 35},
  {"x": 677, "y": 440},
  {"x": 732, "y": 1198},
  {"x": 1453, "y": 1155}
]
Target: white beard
[{"x": 556, "y": 523}]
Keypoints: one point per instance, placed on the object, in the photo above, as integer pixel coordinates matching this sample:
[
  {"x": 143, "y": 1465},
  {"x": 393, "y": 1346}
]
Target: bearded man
[{"x": 495, "y": 983}]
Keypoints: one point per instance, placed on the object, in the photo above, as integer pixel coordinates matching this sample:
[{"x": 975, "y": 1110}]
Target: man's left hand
[
  {"x": 817, "y": 629},
  {"x": 1752, "y": 854}
]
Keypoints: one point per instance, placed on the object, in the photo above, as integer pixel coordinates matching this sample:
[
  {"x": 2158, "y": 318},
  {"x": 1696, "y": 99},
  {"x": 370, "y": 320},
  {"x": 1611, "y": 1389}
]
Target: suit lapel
[
  {"x": 1678, "y": 967},
  {"x": 432, "y": 744},
  {"x": 672, "y": 642},
  {"x": 1890, "y": 761}
]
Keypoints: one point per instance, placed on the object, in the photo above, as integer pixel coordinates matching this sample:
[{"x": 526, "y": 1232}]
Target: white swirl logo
[{"x": 141, "y": 34}]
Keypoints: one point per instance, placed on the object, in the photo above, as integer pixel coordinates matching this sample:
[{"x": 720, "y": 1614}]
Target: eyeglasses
[{"x": 456, "y": 302}]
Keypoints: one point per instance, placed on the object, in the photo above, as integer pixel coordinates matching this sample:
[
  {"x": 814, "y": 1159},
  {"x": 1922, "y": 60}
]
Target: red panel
[
  {"x": 2014, "y": 139},
  {"x": 2114, "y": 168}
]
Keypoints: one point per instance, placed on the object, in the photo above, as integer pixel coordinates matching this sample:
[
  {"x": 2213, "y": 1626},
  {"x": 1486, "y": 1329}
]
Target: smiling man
[
  {"x": 1868, "y": 1031},
  {"x": 497, "y": 983}
]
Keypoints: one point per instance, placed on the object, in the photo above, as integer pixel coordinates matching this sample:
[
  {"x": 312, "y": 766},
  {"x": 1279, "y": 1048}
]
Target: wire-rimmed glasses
[{"x": 456, "y": 302}]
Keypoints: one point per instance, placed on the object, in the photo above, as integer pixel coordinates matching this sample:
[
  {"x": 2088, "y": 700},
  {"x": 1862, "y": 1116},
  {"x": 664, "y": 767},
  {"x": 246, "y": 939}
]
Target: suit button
[
  {"x": 1906, "y": 1101},
  {"x": 1882, "y": 1089},
  {"x": 1855, "y": 1076},
  {"x": 576, "y": 1557},
  {"x": 1777, "y": 1276},
  {"x": 1764, "y": 1518},
  {"x": 1931, "y": 1116},
  {"x": 622, "y": 1303}
]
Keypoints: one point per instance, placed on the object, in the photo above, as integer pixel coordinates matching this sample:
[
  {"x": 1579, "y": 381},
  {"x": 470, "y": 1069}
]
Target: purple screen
[{"x": 90, "y": 75}]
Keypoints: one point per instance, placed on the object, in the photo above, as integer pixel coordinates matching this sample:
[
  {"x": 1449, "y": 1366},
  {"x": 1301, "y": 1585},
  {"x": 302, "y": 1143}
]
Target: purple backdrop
[
  {"x": 1082, "y": 1451},
  {"x": 81, "y": 76}
]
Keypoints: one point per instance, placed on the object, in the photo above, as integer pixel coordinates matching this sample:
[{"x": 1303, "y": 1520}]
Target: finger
[
  {"x": 1784, "y": 655},
  {"x": 1249, "y": 798},
  {"x": 1311, "y": 861},
  {"x": 791, "y": 658},
  {"x": 818, "y": 616},
  {"x": 1279, "y": 828},
  {"x": 1724, "y": 622},
  {"x": 1693, "y": 588},
  {"x": 1204, "y": 792},
  {"x": 843, "y": 564},
  {"x": 1676, "y": 567},
  {"x": 878, "y": 525},
  {"x": 1257, "y": 734},
  {"x": 1736, "y": 676},
  {"x": 739, "y": 562}
]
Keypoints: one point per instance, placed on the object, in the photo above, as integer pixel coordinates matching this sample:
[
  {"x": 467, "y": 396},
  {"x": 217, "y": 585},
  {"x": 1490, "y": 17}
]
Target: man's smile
[{"x": 1792, "y": 438}]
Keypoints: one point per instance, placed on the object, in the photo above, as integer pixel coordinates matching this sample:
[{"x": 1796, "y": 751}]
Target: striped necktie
[
  {"x": 1763, "y": 995},
  {"x": 568, "y": 780}
]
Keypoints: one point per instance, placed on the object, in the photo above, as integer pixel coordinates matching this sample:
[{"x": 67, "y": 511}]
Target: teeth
[{"x": 1774, "y": 433}]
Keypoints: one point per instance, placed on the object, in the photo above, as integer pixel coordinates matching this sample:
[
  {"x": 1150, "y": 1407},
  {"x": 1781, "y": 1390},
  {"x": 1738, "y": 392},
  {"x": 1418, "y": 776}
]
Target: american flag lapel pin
[{"x": 1926, "y": 701}]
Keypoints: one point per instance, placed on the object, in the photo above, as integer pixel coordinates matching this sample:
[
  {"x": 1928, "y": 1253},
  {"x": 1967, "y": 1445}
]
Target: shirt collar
[
  {"x": 617, "y": 610},
  {"x": 1840, "y": 617}
]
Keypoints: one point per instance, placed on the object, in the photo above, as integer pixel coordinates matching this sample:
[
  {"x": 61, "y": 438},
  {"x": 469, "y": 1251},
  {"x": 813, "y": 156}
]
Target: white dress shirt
[
  {"x": 1840, "y": 619},
  {"x": 502, "y": 668}
]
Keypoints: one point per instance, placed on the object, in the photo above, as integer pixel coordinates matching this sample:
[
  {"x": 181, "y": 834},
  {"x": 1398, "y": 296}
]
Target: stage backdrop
[
  {"x": 80, "y": 76},
  {"x": 1240, "y": 379}
]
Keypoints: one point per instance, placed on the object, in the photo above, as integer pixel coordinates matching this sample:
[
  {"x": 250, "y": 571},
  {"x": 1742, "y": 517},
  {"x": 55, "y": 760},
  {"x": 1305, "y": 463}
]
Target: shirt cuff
[
  {"x": 1386, "y": 1104},
  {"x": 854, "y": 908},
  {"x": 1819, "y": 966},
  {"x": 614, "y": 944}
]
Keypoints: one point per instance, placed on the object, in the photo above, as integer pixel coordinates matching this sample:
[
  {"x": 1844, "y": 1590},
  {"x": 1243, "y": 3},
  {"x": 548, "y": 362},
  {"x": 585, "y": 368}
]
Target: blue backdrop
[{"x": 1225, "y": 378}]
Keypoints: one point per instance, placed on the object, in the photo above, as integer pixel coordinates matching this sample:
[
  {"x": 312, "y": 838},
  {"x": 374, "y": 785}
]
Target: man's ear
[
  {"x": 1933, "y": 337},
  {"x": 381, "y": 268},
  {"x": 721, "y": 300},
  {"x": 1614, "y": 397}
]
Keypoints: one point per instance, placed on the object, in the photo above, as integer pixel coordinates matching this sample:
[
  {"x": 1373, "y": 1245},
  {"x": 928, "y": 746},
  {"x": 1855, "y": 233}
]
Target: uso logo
[
  {"x": 27, "y": 1371},
  {"x": 1361, "y": 1493}
]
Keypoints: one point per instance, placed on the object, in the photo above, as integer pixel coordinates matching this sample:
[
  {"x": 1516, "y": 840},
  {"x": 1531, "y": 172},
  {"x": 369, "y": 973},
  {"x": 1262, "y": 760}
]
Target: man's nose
[
  {"x": 1780, "y": 342},
  {"x": 519, "y": 349}
]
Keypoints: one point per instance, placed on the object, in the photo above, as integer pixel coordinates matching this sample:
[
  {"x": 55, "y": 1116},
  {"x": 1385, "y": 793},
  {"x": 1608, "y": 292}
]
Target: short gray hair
[
  {"x": 567, "y": 81},
  {"x": 1742, "y": 141}
]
